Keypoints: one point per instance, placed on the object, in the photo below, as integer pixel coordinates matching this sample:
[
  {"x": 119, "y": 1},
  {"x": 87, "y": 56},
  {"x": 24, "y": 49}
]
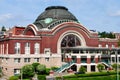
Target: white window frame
[
  {"x": 36, "y": 59},
  {"x": 113, "y": 46},
  {"x": 47, "y": 50},
  {"x": 37, "y": 48},
  {"x": 17, "y": 60},
  {"x": 99, "y": 45},
  {"x": 27, "y": 59},
  {"x": 47, "y": 59},
  {"x": 17, "y": 48},
  {"x": 16, "y": 71},
  {"x": 27, "y": 48}
]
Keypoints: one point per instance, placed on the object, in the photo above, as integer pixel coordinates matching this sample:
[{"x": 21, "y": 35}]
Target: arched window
[
  {"x": 27, "y": 48},
  {"x": 70, "y": 41},
  {"x": 17, "y": 48},
  {"x": 37, "y": 48}
]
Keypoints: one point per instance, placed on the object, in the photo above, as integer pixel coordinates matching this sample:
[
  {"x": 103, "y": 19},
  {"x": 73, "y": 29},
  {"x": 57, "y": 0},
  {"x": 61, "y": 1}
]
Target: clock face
[{"x": 48, "y": 20}]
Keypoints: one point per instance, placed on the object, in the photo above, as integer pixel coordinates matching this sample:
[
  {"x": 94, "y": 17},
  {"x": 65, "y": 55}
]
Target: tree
[
  {"x": 100, "y": 67},
  {"x": 115, "y": 66},
  {"x": 27, "y": 71},
  {"x": 3, "y": 28},
  {"x": 82, "y": 69},
  {"x": 106, "y": 35},
  {"x": 35, "y": 66},
  {"x": 41, "y": 69}
]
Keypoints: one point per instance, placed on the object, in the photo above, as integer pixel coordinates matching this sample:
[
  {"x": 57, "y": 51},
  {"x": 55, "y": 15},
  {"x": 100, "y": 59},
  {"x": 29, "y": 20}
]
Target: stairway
[
  {"x": 64, "y": 67},
  {"x": 106, "y": 63}
]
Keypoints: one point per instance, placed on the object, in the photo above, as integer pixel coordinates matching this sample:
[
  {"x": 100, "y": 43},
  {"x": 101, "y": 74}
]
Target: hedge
[
  {"x": 95, "y": 74},
  {"x": 41, "y": 77},
  {"x": 13, "y": 78}
]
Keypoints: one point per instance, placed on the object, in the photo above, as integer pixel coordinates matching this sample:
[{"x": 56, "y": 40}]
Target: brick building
[{"x": 56, "y": 38}]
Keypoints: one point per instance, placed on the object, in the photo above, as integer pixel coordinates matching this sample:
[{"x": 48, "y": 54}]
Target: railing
[
  {"x": 65, "y": 66},
  {"x": 106, "y": 62}
]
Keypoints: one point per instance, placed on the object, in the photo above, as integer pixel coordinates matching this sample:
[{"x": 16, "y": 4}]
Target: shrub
[
  {"x": 47, "y": 71},
  {"x": 54, "y": 68},
  {"x": 35, "y": 66},
  {"x": 41, "y": 69},
  {"x": 41, "y": 77},
  {"x": 13, "y": 78},
  {"x": 26, "y": 79},
  {"x": 82, "y": 69},
  {"x": 27, "y": 71},
  {"x": 100, "y": 67}
]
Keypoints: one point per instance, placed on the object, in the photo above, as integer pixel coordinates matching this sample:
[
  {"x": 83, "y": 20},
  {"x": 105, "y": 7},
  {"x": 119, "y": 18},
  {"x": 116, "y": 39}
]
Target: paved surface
[{"x": 3, "y": 78}]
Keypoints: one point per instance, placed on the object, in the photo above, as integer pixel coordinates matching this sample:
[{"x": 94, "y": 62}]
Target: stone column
[{"x": 88, "y": 68}]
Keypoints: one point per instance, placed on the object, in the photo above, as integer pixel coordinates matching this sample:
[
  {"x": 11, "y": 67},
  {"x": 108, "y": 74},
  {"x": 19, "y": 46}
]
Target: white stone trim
[
  {"x": 30, "y": 55},
  {"x": 81, "y": 38}
]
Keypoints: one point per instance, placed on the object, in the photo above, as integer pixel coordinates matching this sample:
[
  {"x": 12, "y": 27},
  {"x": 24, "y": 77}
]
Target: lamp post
[
  {"x": 21, "y": 74},
  {"x": 117, "y": 64}
]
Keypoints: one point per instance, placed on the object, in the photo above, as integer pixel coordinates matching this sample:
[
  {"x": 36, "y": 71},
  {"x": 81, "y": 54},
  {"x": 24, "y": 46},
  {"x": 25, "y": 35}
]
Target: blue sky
[{"x": 99, "y": 15}]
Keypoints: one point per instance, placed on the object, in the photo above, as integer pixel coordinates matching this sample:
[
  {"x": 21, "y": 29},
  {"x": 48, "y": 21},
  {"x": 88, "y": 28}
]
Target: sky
[{"x": 99, "y": 15}]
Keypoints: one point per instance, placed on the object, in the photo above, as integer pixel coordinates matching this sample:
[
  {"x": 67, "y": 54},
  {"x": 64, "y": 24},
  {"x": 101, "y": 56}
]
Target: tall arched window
[
  {"x": 27, "y": 48},
  {"x": 17, "y": 48},
  {"x": 70, "y": 41},
  {"x": 37, "y": 48}
]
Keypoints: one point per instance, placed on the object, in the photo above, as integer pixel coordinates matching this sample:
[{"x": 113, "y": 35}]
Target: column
[
  {"x": 78, "y": 59},
  {"x": 88, "y": 59},
  {"x": 88, "y": 68},
  {"x": 96, "y": 59}
]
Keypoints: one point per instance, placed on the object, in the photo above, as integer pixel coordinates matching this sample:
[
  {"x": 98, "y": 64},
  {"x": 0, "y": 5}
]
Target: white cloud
[
  {"x": 117, "y": 13},
  {"x": 5, "y": 17}
]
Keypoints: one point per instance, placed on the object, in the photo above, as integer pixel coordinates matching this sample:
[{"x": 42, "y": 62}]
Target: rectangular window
[
  {"x": 16, "y": 71},
  {"x": 47, "y": 50},
  {"x": 47, "y": 59},
  {"x": 119, "y": 59},
  {"x": 113, "y": 59},
  {"x": 26, "y": 59},
  {"x": 6, "y": 60},
  {"x": 36, "y": 59},
  {"x": 17, "y": 60},
  {"x": 27, "y": 48},
  {"x": 17, "y": 48},
  {"x": 37, "y": 48}
]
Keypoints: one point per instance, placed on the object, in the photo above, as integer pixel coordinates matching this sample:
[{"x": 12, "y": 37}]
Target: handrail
[{"x": 65, "y": 66}]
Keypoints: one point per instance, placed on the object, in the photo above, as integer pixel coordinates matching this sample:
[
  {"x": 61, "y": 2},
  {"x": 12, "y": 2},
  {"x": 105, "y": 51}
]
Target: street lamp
[
  {"x": 21, "y": 74},
  {"x": 117, "y": 63}
]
